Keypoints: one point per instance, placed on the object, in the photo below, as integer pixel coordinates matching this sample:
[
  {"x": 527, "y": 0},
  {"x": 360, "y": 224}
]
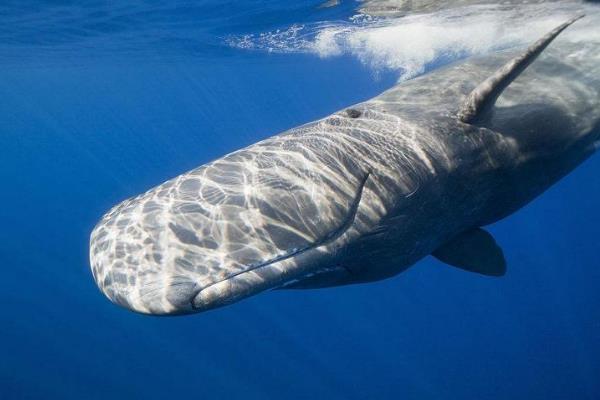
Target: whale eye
[{"x": 353, "y": 112}]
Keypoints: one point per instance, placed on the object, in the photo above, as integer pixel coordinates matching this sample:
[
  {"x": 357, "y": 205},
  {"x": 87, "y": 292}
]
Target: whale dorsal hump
[
  {"x": 481, "y": 100},
  {"x": 474, "y": 250}
]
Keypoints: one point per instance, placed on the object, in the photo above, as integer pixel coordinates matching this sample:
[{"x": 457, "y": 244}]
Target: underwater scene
[{"x": 343, "y": 199}]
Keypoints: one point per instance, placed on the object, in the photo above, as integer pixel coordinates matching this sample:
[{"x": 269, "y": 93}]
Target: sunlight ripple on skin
[{"x": 359, "y": 195}]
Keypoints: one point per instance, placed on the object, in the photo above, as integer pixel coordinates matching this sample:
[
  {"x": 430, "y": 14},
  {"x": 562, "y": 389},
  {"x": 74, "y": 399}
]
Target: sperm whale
[{"x": 364, "y": 193}]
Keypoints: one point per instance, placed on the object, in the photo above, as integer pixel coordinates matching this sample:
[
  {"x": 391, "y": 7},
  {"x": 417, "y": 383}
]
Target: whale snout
[
  {"x": 141, "y": 261},
  {"x": 151, "y": 257},
  {"x": 165, "y": 269}
]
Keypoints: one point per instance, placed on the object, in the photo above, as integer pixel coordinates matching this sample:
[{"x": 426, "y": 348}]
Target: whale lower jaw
[
  {"x": 269, "y": 276},
  {"x": 280, "y": 270},
  {"x": 230, "y": 290}
]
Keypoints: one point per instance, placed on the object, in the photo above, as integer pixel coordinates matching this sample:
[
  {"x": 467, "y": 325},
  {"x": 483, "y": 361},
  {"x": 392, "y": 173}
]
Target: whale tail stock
[{"x": 481, "y": 100}]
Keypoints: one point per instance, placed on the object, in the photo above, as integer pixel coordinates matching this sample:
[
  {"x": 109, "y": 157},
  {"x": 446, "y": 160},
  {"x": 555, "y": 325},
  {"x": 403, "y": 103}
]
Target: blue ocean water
[{"x": 101, "y": 101}]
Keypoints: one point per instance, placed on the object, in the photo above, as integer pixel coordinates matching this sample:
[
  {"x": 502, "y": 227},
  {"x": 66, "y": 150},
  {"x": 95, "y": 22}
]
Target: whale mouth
[{"x": 266, "y": 274}]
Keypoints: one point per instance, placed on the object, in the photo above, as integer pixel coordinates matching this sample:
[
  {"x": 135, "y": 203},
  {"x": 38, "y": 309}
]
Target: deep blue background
[{"x": 89, "y": 116}]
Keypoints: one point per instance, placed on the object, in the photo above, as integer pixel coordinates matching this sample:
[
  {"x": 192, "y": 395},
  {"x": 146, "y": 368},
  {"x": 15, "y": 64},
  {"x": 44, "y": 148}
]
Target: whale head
[{"x": 251, "y": 221}]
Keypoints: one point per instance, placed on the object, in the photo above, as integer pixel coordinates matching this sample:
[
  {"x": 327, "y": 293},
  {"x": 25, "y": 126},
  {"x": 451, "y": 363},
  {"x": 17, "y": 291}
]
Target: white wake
[{"x": 409, "y": 44}]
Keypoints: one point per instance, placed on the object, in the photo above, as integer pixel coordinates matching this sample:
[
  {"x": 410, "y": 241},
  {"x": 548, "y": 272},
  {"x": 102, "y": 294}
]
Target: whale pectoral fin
[{"x": 474, "y": 250}]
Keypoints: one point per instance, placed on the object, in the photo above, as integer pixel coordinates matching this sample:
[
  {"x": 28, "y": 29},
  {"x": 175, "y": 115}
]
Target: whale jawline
[{"x": 196, "y": 300}]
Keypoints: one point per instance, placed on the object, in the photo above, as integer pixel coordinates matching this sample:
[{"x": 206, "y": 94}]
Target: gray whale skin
[{"x": 364, "y": 193}]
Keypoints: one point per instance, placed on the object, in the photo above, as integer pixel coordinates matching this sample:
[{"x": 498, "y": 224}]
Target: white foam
[{"x": 409, "y": 44}]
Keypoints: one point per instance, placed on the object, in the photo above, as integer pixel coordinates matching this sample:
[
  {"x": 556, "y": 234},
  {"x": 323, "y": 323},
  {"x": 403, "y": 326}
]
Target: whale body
[
  {"x": 364, "y": 193},
  {"x": 400, "y": 8}
]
